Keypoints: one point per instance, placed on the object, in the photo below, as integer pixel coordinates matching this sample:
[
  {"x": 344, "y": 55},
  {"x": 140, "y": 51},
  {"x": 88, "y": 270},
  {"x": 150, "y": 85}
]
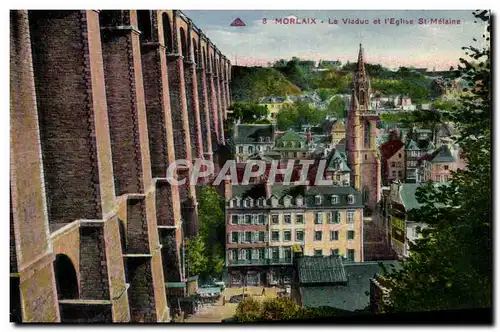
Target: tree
[
  {"x": 248, "y": 111},
  {"x": 287, "y": 117},
  {"x": 248, "y": 310},
  {"x": 450, "y": 266},
  {"x": 196, "y": 256},
  {"x": 212, "y": 231},
  {"x": 336, "y": 107}
]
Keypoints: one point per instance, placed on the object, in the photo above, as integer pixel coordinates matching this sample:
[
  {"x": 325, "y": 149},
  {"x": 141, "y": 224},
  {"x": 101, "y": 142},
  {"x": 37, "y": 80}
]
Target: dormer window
[
  {"x": 335, "y": 199},
  {"x": 287, "y": 201},
  {"x": 235, "y": 202},
  {"x": 299, "y": 201},
  {"x": 350, "y": 199},
  {"x": 248, "y": 202},
  {"x": 268, "y": 139},
  {"x": 274, "y": 201},
  {"x": 261, "y": 139},
  {"x": 290, "y": 144},
  {"x": 317, "y": 199},
  {"x": 261, "y": 202}
]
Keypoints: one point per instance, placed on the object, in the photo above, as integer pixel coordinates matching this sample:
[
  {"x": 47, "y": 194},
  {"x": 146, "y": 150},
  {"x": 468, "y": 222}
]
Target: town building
[
  {"x": 413, "y": 151},
  {"x": 334, "y": 283},
  {"x": 402, "y": 230},
  {"x": 252, "y": 139},
  {"x": 274, "y": 105},
  {"x": 393, "y": 161},
  {"x": 338, "y": 131},
  {"x": 266, "y": 222},
  {"x": 292, "y": 145},
  {"x": 439, "y": 165},
  {"x": 362, "y": 154}
]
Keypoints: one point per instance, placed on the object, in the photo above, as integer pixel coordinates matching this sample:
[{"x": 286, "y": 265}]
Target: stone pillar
[
  {"x": 161, "y": 144},
  {"x": 130, "y": 147},
  {"x": 220, "y": 105},
  {"x": 33, "y": 288},
  {"x": 193, "y": 108},
  {"x": 206, "y": 129},
  {"x": 214, "y": 114}
]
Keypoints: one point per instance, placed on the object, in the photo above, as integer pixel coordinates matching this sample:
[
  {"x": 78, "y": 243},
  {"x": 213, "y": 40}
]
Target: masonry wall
[{"x": 92, "y": 131}]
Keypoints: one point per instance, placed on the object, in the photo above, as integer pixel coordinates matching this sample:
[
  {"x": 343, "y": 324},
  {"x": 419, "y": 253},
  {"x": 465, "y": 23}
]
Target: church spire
[{"x": 361, "y": 63}]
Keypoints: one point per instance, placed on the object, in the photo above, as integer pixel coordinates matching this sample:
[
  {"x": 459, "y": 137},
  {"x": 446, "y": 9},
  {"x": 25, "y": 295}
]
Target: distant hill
[{"x": 251, "y": 83}]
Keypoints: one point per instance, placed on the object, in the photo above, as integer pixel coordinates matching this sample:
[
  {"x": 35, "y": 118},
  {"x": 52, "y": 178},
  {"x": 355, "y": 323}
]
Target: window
[
  {"x": 335, "y": 198},
  {"x": 275, "y": 253},
  {"x": 261, "y": 139},
  {"x": 299, "y": 219},
  {"x": 234, "y": 219},
  {"x": 262, "y": 219},
  {"x": 250, "y": 149},
  {"x": 393, "y": 173},
  {"x": 318, "y": 235},
  {"x": 286, "y": 201},
  {"x": 262, "y": 236},
  {"x": 334, "y": 235},
  {"x": 334, "y": 252},
  {"x": 318, "y": 218},
  {"x": 260, "y": 253},
  {"x": 268, "y": 148},
  {"x": 446, "y": 167},
  {"x": 329, "y": 218},
  {"x": 366, "y": 157},
  {"x": 318, "y": 252},
  {"x": 288, "y": 219},
  {"x": 393, "y": 164},
  {"x": 248, "y": 237},
  {"x": 350, "y": 255},
  {"x": 268, "y": 139},
  {"x": 399, "y": 155},
  {"x": 317, "y": 200},
  {"x": 350, "y": 235},
  {"x": 240, "y": 149},
  {"x": 337, "y": 217},
  {"x": 299, "y": 201},
  {"x": 255, "y": 219},
  {"x": 248, "y": 219},
  {"x": 236, "y": 278},
  {"x": 261, "y": 202},
  {"x": 234, "y": 254},
  {"x": 275, "y": 236},
  {"x": 275, "y": 219},
  {"x": 287, "y": 253},
  {"x": 350, "y": 199},
  {"x": 350, "y": 217},
  {"x": 287, "y": 236},
  {"x": 400, "y": 174},
  {"x": 234, "y": 237},
  {"x": 299, "y": 236}
]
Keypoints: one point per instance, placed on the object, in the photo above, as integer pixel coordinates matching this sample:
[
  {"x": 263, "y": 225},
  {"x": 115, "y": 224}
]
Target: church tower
[{"x": 361, "y": 148}]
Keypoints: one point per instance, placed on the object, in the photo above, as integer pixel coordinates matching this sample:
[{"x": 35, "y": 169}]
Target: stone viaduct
[{"x": 101, "y": 103}]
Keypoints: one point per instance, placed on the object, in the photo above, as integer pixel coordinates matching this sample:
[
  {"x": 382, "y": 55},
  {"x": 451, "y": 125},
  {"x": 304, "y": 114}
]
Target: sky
[{"x": 419, "y": 45}]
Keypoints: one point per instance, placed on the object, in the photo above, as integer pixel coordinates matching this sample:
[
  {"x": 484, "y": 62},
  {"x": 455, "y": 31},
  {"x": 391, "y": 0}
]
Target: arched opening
[
  {"x": 167, "y": 33},
  {"x": 66, "y": 280},
  {"x": 144, "y": 24},
  {"x": 195, "y": 51},
  {"x": 362, "y": 97},
  {"x": 212, "y": 62},
  {"x": 111, "y": 18},
  {"x": 367, "y": 134},
  {"x": 184, "y": 50},
  {"x": 204, "y": 58},
  {"x": 366, "y": 195}
]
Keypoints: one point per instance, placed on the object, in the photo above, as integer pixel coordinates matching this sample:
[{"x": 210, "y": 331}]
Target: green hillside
[{"x": 251, "y": 83}]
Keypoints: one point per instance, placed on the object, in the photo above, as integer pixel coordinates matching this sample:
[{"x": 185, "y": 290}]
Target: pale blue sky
[{"x": 408, "y": 45}]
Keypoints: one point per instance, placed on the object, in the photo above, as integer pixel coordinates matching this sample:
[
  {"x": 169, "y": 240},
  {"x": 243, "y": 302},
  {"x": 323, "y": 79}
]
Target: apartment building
[{"x": 267, "y": 225}]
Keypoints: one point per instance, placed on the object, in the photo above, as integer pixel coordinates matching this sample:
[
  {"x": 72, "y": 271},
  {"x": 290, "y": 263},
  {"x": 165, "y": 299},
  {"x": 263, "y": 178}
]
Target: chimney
[
  {"x": 268, "y": 190},
  {"x": 228, "y": 189}
]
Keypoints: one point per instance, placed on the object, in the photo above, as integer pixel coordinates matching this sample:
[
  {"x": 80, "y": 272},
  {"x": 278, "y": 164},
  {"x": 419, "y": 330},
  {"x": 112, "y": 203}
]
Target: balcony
[{"x": 265, "y": 261}]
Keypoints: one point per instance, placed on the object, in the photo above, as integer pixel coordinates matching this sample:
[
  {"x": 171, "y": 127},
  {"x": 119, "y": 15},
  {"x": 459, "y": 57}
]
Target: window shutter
[
  {"x": 266, "y": 237},
  {"x": 266, "y": 253},
  {"x": 240, "y": 236},
  {"x": 240, "y": 219},
  {"x": 255, "y": 254},
  {"x": 337, "y": 216},
  {"x": 230, "y": 237}
]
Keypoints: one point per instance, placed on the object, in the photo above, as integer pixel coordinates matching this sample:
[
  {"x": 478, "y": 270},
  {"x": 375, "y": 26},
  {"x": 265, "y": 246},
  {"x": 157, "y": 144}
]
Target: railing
[{"x": 265, "y": 261}]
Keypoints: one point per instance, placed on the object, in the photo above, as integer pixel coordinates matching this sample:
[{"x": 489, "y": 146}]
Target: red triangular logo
[{"x": 238, "y": 23}]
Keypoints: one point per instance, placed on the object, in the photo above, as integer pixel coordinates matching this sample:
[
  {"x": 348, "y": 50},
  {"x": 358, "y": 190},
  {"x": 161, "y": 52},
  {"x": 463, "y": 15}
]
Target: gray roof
[
  {"x": 250, "y": 133},
  {"x": 408, "y": 191},
  {"x": 321, "y": 270},
  {"x": 355, "y": 295},
  {"x": 443, "y": 155},
  {"x": 328, "y": 191}
]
